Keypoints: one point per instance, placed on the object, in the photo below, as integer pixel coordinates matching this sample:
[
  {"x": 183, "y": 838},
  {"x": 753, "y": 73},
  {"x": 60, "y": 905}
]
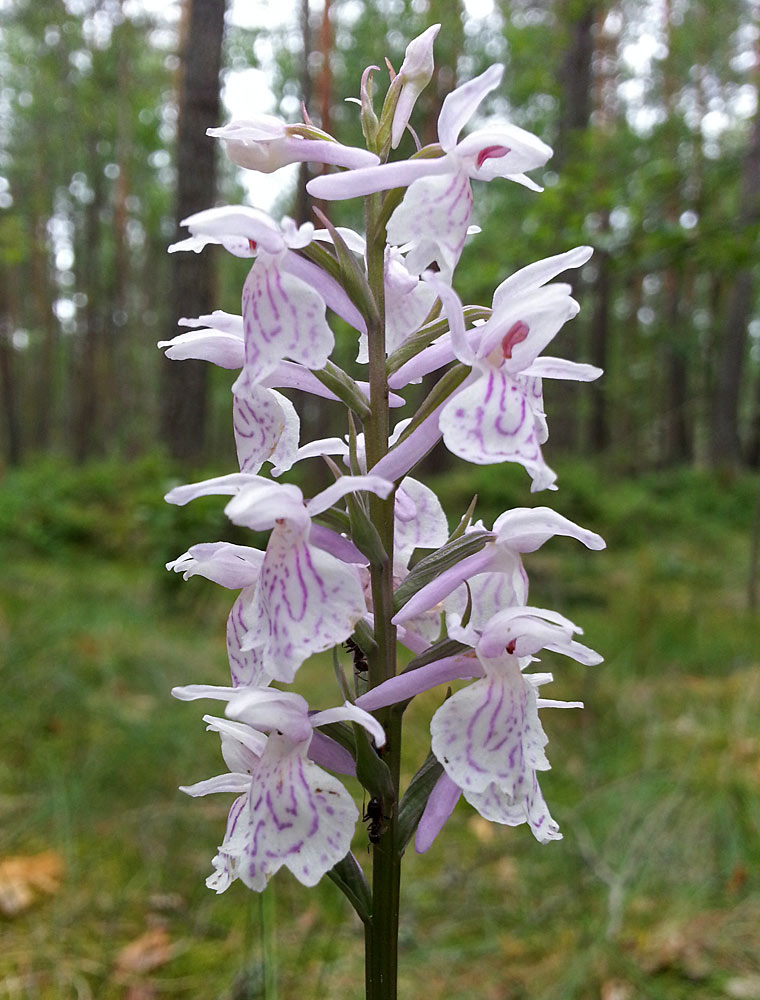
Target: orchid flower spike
[{"x": 266, "y": 143}]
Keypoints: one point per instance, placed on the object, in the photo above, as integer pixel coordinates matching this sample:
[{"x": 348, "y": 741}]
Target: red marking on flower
[
  {"x": 516, "y": 335},
  {"x": 511, "y": 646},
  {"x": 491, "y": 153},
  {"x": 253, "y": 245}
]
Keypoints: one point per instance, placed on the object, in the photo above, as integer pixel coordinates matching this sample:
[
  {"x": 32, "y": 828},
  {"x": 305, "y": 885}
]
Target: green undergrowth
[{"x": 653, "y": 893}]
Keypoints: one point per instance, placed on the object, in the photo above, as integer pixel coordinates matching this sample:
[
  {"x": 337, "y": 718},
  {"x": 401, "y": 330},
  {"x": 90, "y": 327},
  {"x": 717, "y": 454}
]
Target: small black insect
[
  {"x": 374, "y": 814},
  {"x": 361, "y": 666}
]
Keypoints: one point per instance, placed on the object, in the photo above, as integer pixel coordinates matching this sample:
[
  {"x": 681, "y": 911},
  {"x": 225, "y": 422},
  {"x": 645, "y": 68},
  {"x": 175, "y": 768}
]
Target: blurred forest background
[{"x": 651, "y": 107}]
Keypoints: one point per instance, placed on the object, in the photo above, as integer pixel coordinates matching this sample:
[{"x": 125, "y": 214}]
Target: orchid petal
[
  {"x": 490, "y": 421},
  {"x": 521, "y": 151},
  {"x": 537, "y": 274},
  {"x": 351, "y": 713},
  {"x": 433, "y": 216},
  {"x": 223, "y": 349},
  {"x": 424, "y": 526},
  {"x": 283, "y": 317},
  {"x": 300, "y": 817},
  {"x": 348, "y": 484},
  {"x": 407, "y": 453},
  {"x": 266, "y": 427},
  {"x": 493, "y": 805},
  {"x": 261, "y": 503},
  {"x": 439, "y": 806},
  {"x": 221, "y": 783},
  {"x": 525, "y": 529},
  {"x": 306, "y": 601},
  {"x": 246, "y": 665},
  {"x": 270, "y": 709},
  {"x": 559, "y": 368},
  {"x": 461, "y": 104},
  {"x": 232, "y": 566},
  {"x": 238, "y": 221},
  {"x": 368, "y": 180},
  {"x": 217, "y": 486},
  {"x": 490, "y": 733}
]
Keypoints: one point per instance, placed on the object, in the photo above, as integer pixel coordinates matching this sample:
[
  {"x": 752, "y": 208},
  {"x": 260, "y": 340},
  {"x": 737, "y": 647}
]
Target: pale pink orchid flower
[
  {"x": 266, "y": 143},
  {"x": 435, "y": 213},
  {"x": 305, "y": 599},
  {"x": 289, "y": 811}
]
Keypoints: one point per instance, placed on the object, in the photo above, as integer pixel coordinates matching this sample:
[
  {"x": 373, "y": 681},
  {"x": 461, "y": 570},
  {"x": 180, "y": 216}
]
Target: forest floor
[{"x": 653, "y": 893}]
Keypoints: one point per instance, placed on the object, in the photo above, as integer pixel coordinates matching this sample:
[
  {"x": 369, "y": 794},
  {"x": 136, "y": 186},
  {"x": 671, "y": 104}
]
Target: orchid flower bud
[{"x": 415, "y": 74}]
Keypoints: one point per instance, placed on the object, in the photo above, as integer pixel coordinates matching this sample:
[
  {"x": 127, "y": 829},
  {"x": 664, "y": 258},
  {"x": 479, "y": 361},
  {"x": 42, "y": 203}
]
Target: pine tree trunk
[
  {"x": 725, "y": 448},
  {"x": 184, "y": 384}
]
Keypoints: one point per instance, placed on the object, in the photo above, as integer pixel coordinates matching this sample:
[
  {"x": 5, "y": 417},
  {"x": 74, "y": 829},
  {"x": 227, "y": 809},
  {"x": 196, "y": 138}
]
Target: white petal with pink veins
[
  {"x": 299, "y": 816},
  {"x": 246, "y": 665},
  {"x": 491, "y": 421},
  {"x": 489, "y": 732},
  {"x": 283, "y": 318},
  {"x": 420, "y": 521},
  {"x": 494, "y": 805},
  {"x": 266, "y": 427},
  {"x": 306, "y": 601},
  {"x": 433, "y": 217}
]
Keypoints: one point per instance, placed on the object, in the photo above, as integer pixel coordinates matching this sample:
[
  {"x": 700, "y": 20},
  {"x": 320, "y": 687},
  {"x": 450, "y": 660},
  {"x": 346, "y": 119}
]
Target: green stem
[{"x": 382, "y": 929}]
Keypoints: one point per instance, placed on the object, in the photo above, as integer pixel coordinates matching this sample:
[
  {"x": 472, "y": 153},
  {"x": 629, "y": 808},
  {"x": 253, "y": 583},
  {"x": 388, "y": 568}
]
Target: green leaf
[
  {"x": 350, "y": 879},
  {"x": 344, "y": 387},
  {"x": 353, "y": 277},
  {"x": 427, "y": 334},
  {"x": 431, "y": 566},
  {"x": 415, "y": 799}
]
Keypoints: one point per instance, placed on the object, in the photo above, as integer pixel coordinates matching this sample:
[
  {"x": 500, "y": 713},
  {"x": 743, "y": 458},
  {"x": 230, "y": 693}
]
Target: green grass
[{"x": 653, "y": 893}]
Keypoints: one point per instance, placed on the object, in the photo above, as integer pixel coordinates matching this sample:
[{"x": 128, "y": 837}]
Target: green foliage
[{"x": 653, "y": 890}]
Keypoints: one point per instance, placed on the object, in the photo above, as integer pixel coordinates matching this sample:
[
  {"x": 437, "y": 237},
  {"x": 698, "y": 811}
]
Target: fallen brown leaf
[
  {"x": 149, "y": 951},
  {"x": 23, "y": 878}
]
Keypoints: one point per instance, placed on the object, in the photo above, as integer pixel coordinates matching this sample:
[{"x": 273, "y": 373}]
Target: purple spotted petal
[
  {"x": 246, "y": 665},
  {"x": 227, "y": 861},
  {"x": 306, "y": 601},
  {"x": 489, "y": 732},
  {"x": 494, "y": 805},
  {"x": 491, "y": 421},
  {"x": 266, "y": 427},
  {"x": 420, "y": 522},
  {"x": 299, "y": 816},
  {"x": 433, "y": 218},
  {"x": 283, "y": 318},
  {"x": 439, "y": 806}
]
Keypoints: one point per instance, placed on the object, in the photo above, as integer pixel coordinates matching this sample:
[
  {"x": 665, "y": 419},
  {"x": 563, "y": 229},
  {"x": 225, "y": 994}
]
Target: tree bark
[
  {"x": 184, "y": 384},
  {"x": 725, "y": 447}
]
